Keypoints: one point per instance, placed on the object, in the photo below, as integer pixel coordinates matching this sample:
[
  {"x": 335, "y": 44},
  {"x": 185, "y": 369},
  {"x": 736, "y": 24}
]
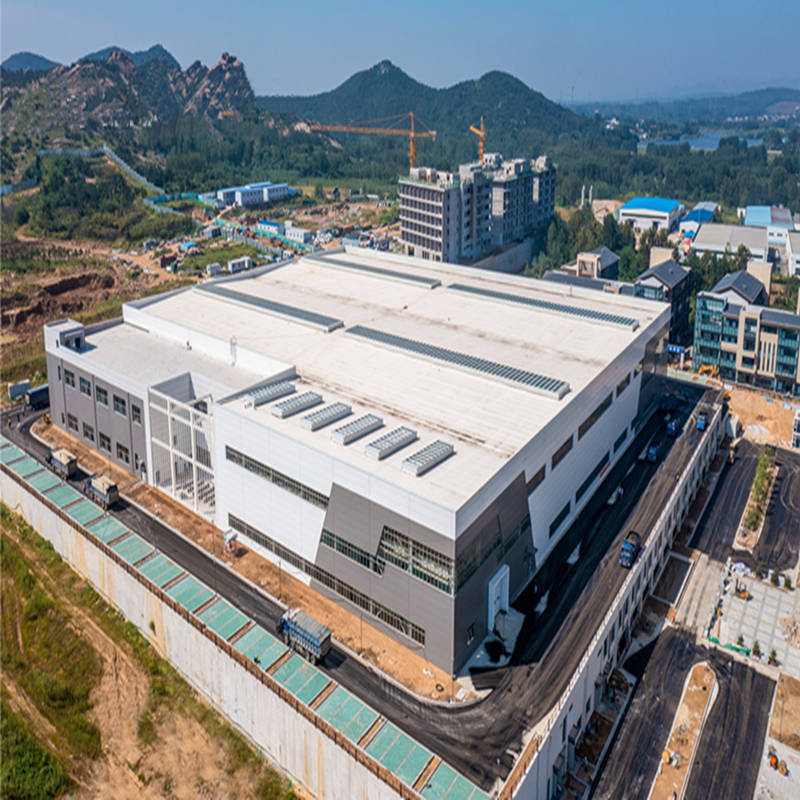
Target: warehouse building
[
  {"x": 390, "y": 431},
  {"x": 719, "y": 238},
  {"x": 651, "y": 212},
  {"x": 776, "y": 219}
]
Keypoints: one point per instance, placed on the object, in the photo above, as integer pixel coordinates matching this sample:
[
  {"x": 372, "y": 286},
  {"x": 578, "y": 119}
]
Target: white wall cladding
[{"x": 305, "y": 752}]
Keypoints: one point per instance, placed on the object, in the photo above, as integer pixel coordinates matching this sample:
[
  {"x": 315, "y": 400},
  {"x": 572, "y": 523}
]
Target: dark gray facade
[{"x": 91, "y": 409}]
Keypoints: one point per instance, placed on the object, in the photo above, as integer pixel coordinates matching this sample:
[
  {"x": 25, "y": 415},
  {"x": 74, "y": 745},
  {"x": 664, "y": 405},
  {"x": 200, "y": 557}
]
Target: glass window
[
  {"x": 69, "y": 378},
  {"x": 101, "y": 396},
  {"x": 559, "y": 454},
  {"x": 136, "y": 414},
  {"x": 120, "y": 406},
  {"x": 88, "y": 432},
  {"x": 123, "y": 454},
  {"x": 535, "y": 480},
  {"x": 593, "y": 417},
  {"x": 623, "y": 384},
  {"x": 560, "y": 517},
  {"x": 85, "y": 387},
  {"x": 105, "y": 442},
  {"x": 72, "y": 422}
]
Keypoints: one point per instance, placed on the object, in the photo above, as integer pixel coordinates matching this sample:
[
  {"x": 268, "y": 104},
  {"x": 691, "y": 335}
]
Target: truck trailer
[
  {"x": 304, "y": 634},
  {"x": 631, "y": 545}
]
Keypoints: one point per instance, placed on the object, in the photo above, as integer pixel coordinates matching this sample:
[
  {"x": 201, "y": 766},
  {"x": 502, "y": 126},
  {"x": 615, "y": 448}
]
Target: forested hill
[{"x": 515, "y": 115}]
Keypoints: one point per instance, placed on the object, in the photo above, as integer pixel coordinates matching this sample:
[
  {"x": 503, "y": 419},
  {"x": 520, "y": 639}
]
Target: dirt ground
[
  {"x": 784, "y": 724},
  {"x": 183, "y": 760},
  {"x": 685, "y": 732},
  {"x": 374, "y": 646},
  {"x": 762, "y": 421}
]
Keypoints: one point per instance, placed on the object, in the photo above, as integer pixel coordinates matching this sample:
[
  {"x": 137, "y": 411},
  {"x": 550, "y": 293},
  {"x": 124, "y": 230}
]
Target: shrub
[
  {"x": 774, "y": 578},
  {"x": 787, "y": 582},
  {"x": 756, "y": 649}
]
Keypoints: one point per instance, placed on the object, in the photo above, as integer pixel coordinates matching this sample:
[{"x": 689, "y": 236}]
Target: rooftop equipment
[
  {"x": 268, "y": 393},
  {"x": 427, "y": 458},
  {"x": 357, "y": 429},
  {"x": 390, "y": 443},
  {"x": 325, "y": 416},
  {"x": 294, "y": 405}
]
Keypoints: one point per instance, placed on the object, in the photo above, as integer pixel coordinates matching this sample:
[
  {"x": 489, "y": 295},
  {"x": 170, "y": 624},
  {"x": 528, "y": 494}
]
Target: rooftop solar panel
[
  {"x": 294, "y": 405},
  {"x": 357, "y": 429},
  {"x": 294, "y": 313},
  {"x": 325, "y": 416},
  {"x": 427, "y": 458},
  {"x": 390, "y": 442},
  {"x": 380, "y": 272},
  {"x": 534, "y": 382},
  {"x": 561, "y": 308},
  {"x": 268, "y": 393}
]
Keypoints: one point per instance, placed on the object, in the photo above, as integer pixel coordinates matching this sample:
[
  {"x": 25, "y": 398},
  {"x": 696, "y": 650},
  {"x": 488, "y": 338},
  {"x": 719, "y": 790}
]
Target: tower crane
[
  {"x": 365, "y": 127},
  {"x": 481, "y": 134}
]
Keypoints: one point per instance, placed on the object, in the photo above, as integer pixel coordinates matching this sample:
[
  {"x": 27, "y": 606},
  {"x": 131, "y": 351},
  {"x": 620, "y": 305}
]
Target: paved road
[
  {"x": 727, "y": 758},
  {"x": 549, "y": 648},
  {"x": 779, "y": 544}
]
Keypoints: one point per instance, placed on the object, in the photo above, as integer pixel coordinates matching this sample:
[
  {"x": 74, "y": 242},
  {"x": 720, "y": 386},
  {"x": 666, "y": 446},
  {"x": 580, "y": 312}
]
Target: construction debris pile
[{"x": 791, "y": 629}]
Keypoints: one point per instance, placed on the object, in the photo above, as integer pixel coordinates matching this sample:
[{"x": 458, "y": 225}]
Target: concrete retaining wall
[{"x": 307, "y": 749}]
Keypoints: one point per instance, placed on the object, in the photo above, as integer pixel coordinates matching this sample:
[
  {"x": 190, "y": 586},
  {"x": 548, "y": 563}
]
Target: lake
[{"x": 705, "y": 141}]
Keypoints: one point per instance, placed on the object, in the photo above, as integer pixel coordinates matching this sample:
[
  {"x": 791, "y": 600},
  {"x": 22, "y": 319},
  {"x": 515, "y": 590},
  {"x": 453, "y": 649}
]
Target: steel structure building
[{"x": 410, "y": 439}]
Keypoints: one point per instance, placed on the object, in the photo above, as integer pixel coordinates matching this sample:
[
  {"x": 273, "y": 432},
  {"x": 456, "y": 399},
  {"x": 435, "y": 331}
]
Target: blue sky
[{"x": 630, "y": 49}]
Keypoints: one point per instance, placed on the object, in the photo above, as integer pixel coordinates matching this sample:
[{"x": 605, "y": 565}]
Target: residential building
[
  {"x": 749, "y": 344},
  {"x": 544, "y": 191},
  {"x": 742, "y": 287},
  {"x": 475, "y": 223},
  {"x": 671, "y": 283},
  {"x": 512, "y": 201},
  {"x": 776, "y": 219},
  {"x": 384, "y": 427},
  {"x": 718, "y": 238},
  {"x": 793, "y": 252},
  {"x": 645, "y": 213}
]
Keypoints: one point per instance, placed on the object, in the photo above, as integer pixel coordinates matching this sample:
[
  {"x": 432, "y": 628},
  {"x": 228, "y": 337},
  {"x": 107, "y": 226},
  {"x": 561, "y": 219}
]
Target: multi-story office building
[
  {"x": 748, "y": 343},
  {"x": 461, "y": 217},
  {"x": 387, "y": 429}
]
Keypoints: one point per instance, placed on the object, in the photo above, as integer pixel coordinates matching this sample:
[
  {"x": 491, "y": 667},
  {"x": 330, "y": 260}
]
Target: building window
[
  {"x": 120, "y": 406},
  {"x": 593, "y": 417},
  {"x": 592, "y": 477},
  {"x": 88, "y": 432},
  {"x": 420, "y": 560},
  {"x": 560, "y": 517},
  {"x": 69, "y": 377},
  {"x": 623, "y": 384},
  {"x": 358, "y": 598},
  {"x": 101, "y": 395},
  {"x": 621, "y": 440},
  {"x": 278, "y": 478},
  {"x": 559, "y": 454},
  {"x": 105, "y": 442},
  {"x": 85, "y": 387},
  {"x": 136, "y": 414},
  {"x": 123, "y": 454},
  {"x": 535, "y": 480},
  {"x": 58, "y": 371},
  {"x": 351, "y": 551},
  {"x": 72, "y": 422}
]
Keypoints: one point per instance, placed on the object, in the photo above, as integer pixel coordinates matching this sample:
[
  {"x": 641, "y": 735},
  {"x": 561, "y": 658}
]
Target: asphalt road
[
  {"x": 727, "y": 757},
  {"x": 778, "y": 546},
  {"x": 549, "y": 647}
]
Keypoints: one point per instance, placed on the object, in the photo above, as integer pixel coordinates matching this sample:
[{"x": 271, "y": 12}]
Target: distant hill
[
  {"x": 28, "y": 62},
  {"x": 515, "y": 115},
  {"x": 156, "y": 53},
  {"x": 773, "y": 103}
]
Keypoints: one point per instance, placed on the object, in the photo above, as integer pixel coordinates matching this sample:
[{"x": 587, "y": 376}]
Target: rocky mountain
[
  {"x": 155, "y": 53},
  {"x": 28, "y": 62},
  {"x": 507, "y": 104},
  {"x": 116, "y": 92}
]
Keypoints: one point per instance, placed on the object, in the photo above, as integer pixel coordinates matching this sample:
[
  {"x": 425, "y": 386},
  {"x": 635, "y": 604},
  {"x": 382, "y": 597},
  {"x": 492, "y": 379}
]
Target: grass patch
[
  {"x": 759, "y": 489},
  {"x": 169, "y": 692},
  {"x": 43, "y": 654},
  {"x": 28, "y": 770}
]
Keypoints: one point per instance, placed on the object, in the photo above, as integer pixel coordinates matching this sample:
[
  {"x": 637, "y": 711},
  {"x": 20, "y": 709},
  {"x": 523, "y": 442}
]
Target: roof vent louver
[
  {"x": 357, "y": 429},
  {"x": 266, "y": 394},
  {"x": 294, "y": 405},
  {"x": 390, "y": 443},
  {"x": 325, "y": 416},
  {"x": 427, "y": 458}
]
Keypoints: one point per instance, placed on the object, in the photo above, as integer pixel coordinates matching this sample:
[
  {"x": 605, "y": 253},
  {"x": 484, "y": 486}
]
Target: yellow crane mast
[{"x": 481, "y": 134}]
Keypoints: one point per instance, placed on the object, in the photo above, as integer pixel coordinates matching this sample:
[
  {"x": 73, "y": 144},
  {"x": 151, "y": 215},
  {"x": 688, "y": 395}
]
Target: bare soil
[
  {"x": 763, "y": 422},
  {"x": 182, "y": 761},
  {"x": 784, "y": 724},
  {"x": 686, "y": 729}
]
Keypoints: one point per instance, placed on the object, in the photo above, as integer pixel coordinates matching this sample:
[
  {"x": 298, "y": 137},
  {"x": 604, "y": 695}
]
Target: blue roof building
[
  {"x": 776, "y": 219},
  {"x": 696, "y": 217},
  {"x": 651, "y": 212}
]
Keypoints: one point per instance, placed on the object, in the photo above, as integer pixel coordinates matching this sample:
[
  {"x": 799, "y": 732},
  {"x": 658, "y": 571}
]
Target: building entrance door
[{"x": 498, "y": 595}]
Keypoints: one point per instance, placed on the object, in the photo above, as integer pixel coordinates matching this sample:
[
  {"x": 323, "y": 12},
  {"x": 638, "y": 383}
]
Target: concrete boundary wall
[
  {"x": 308, "y": 749},
  {"x": 533, "y": 773}
]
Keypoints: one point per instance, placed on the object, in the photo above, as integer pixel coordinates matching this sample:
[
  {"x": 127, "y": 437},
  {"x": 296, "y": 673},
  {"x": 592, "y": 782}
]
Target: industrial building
[
  {"x": 746, "y": 341},
  {"x": 718, "y": 238},
  {"x": 253, "y": 194},
  {"x": 389, "y": 430},
  {"x": 793, "y": 252},
  {"x": 776, "y": 219},
  {"x": 699, "y": 215},
  {"x": 463, "y": 216},
  {"x": 645, "y": 213}
]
